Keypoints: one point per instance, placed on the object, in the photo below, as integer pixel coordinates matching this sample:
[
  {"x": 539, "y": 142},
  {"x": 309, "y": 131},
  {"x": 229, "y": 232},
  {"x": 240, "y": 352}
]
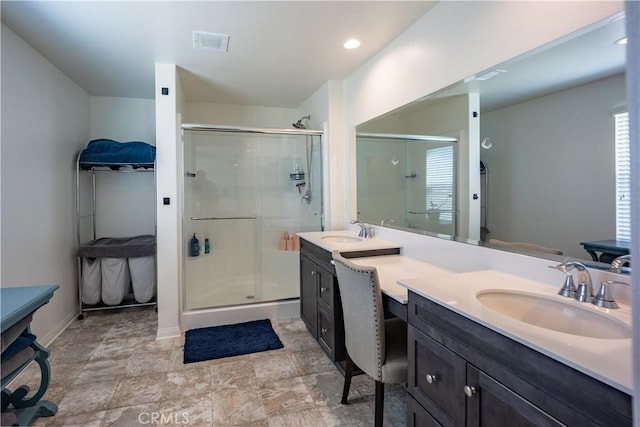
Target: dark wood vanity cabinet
[
  {"x": 320, "y": 306},
  {"x": 462, "y": 373}
]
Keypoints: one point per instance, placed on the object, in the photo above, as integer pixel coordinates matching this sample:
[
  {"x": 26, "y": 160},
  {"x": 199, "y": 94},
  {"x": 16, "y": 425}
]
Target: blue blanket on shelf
[{"x": 107, "y": 152}]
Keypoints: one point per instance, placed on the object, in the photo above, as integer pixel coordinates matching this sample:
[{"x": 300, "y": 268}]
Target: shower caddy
[{"x": 127, "y": 261}]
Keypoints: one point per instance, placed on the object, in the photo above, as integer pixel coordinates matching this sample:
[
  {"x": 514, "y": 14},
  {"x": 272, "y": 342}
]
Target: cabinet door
[
  {"x": 417, "y": 416},
  {"x": 309, "y": 294},
  {"x": 325, "y": 288},
  {"x": 436, "y": 378},
  {"x": 494, "y": 405},
  {"x": 326, "y": 333}
]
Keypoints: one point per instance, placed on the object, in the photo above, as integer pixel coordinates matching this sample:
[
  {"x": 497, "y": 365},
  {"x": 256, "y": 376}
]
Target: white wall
[
  {"x": 239, "y": 115},
  {"x": 123, "y": 119},
  {"x": 168, "y": 161},
  {"x": 45, "y": 122},
  {"x": 455, "y": 40},
  {"x": 125, "y": 202},
  {"x": 552, "y": 167}
]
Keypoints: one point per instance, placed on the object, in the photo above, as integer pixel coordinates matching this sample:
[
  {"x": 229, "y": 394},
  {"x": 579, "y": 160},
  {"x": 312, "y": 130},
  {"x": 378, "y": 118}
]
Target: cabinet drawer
[
  {"x": 308, "y": 295},
  {"x": 436, "y": 378}
]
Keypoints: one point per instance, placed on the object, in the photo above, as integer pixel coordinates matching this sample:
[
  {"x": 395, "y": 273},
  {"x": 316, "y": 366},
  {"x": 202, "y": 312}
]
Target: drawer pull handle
[
  {"x": 431, "y": 378},
  {"x": 469, "y": 390},
  {"x": 313, "y": 272},
  {"x": 324, "y": 331},
  {"x": 324, "y": 289}
]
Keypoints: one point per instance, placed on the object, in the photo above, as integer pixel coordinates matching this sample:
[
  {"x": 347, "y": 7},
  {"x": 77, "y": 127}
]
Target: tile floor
[{"x": 108, "y": 370}]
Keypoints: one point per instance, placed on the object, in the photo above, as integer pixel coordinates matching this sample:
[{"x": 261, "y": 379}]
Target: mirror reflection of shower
[{"x": 309, "y": 153}]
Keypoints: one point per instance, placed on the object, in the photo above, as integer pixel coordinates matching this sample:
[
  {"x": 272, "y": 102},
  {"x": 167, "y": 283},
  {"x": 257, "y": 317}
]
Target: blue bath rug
[{"x": 229, "y": 340}]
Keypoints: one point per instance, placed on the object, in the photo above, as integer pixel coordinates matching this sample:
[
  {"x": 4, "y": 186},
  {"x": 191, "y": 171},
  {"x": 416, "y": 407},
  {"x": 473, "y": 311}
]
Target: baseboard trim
[
  {"x": 167, "y": 333},
  {"x": 48, "y": 339},
  {"x": 228, "y": 315}
]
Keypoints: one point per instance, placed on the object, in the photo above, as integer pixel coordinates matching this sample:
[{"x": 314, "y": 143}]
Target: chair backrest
[{"x": 363, "y": 315}]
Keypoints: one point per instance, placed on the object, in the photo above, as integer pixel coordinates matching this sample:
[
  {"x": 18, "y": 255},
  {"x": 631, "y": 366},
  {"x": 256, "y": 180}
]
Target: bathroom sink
[
  {"x": 550, "y": 313},
  {"x": 341, "y": 239}
]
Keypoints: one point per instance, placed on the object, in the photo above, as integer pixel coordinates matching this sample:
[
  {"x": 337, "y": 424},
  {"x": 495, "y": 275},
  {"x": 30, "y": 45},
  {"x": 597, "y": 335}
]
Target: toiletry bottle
[
  {"x": 282, "y": 245},
  {"x": 194, "y": 246},
  {"x": 207, "y": 246}
]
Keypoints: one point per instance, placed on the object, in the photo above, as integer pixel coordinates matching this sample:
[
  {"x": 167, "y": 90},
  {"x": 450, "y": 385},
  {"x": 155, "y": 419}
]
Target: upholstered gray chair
[{"x": 377, "y": 346}]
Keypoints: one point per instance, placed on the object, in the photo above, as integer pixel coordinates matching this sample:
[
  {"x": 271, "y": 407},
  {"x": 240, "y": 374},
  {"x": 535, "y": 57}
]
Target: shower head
[{"x": 299, "y": 125}]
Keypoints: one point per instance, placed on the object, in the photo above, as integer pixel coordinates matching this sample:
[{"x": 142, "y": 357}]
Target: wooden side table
[
  {"x": 609, "y": 249},
  {"x": 19, "y": 348}
]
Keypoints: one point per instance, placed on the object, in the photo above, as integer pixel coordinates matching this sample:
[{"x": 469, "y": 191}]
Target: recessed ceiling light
[
  {"x": 351, "y": 44},
  {"x": 622, "y": 40}
]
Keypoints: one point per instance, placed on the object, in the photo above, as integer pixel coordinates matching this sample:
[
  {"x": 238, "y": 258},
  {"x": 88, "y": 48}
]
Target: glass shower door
[
  {"x": 222, "y": 204},
  {"x": 242, "y": 192}
]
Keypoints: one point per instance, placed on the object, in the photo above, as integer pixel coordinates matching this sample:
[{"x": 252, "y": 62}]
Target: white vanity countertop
[
  {"x": 323, "y": 239},
  {"x": 394, "y": 268},
  {"x": 608, "y": 360}
]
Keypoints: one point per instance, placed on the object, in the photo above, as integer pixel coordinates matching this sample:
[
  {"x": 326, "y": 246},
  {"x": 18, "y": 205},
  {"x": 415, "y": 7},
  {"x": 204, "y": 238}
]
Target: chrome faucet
[
  {"x": 584, "y": 293},
  {"x": 604, "y": 298},
  {"x": 568, "y": 288},
  {"x": 616, "y": 264},
  {"x": 364, "y": 230}
]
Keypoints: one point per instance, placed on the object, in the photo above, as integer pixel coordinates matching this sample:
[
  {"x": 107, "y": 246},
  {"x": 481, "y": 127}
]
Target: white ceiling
[{"x": 279, "y": 52}]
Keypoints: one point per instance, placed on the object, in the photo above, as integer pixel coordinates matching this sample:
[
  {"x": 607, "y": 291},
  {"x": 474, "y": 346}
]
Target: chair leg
[
  {"x": 347, "y": 380},
  {"x": 379, "y": 403}
]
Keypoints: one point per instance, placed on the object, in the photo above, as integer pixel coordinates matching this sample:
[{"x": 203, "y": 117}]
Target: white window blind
[
  {"x": 439, "y": 181},
  {"x": 623, "y": 177}
]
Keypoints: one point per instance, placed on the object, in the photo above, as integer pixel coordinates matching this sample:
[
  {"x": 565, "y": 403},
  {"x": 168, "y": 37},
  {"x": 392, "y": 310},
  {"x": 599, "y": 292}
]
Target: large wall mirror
[{"x": 528, "y": 156}]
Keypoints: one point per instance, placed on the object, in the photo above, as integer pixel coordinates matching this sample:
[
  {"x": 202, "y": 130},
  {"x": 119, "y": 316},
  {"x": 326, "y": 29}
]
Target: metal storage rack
[{"x": 94, "y": 170}]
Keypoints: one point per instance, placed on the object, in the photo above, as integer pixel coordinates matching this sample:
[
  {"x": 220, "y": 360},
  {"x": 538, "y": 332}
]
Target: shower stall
[{"x": 246, "y": 192}]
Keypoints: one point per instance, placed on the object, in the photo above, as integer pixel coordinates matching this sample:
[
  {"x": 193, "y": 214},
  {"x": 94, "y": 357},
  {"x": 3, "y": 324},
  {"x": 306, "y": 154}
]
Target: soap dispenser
[{"x": 194, "y": 246}]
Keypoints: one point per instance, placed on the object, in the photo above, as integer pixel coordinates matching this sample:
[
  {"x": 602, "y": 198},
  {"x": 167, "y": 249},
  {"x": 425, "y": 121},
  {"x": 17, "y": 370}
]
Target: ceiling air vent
[{"x": 210, "y": 41}]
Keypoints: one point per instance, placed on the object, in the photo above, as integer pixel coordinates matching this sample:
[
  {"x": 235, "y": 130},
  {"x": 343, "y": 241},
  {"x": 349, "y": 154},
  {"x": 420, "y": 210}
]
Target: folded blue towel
[{"x": 107, "y": 152}]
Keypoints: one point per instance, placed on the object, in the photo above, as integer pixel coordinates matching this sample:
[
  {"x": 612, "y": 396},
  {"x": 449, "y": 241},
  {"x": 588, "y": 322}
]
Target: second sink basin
[
  {"x": 341, "y": 239},
  {"x": 550, "y": 313}
]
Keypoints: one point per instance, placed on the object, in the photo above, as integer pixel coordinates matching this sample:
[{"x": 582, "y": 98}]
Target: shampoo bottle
[
  {"x": 207, "y": 246},
  {"x": 194, "y": 246}
]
